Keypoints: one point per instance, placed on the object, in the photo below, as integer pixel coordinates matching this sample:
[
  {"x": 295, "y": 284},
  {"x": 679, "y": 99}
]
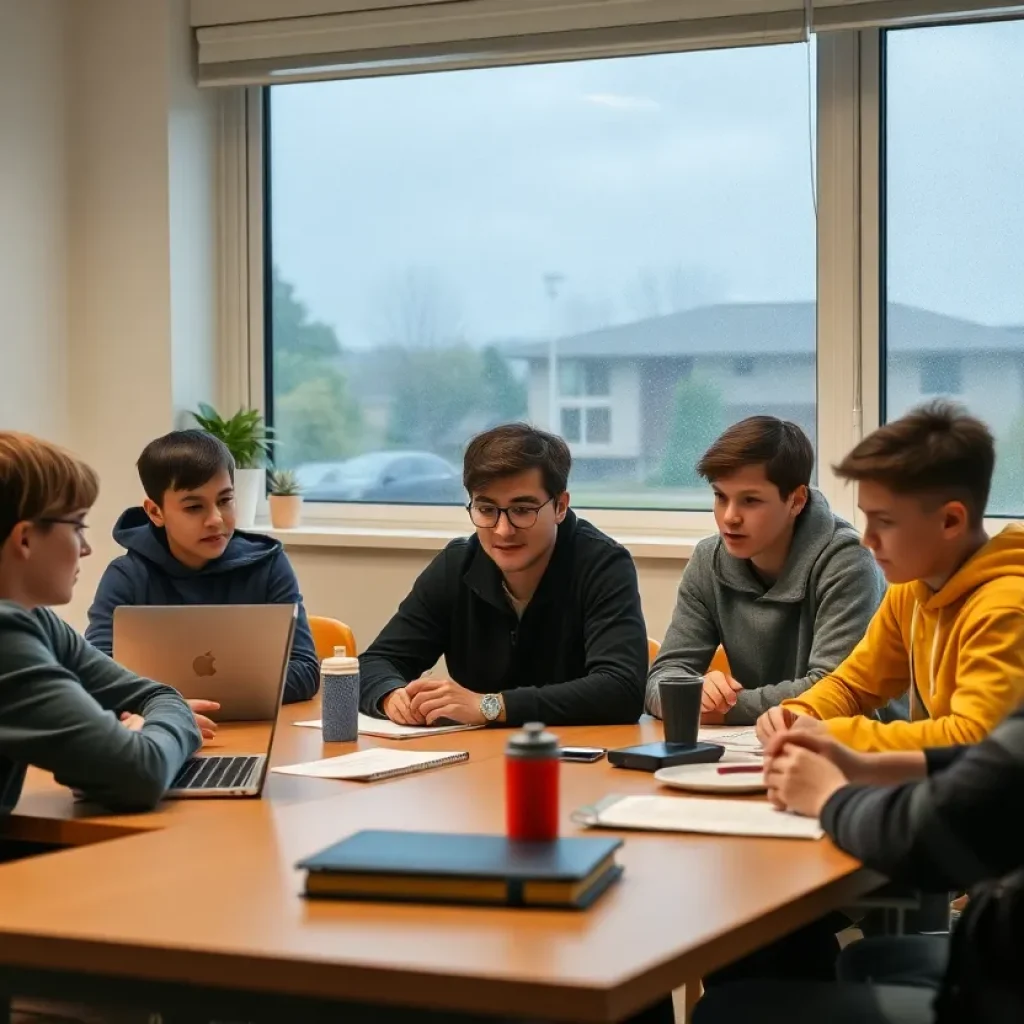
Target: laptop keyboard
[{"x": 216, "y": 772}]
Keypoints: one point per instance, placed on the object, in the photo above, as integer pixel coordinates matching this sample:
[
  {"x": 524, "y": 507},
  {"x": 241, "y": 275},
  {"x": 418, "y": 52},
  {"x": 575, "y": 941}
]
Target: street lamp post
[{"x": 553, "y": 281}]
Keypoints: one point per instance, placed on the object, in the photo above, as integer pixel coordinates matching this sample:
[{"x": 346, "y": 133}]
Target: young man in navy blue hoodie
[{"x": 182, "y": 548}]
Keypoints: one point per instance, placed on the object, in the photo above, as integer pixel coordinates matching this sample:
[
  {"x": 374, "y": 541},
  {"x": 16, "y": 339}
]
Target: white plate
[{"x": 704, "y": 778}]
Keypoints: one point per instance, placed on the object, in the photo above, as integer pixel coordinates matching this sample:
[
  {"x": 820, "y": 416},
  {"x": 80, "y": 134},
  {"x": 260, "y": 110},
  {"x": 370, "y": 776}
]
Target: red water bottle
[{"x": 531, "y": 784}]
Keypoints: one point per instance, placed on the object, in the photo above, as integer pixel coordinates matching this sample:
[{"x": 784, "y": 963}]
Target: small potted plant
[
  {"x": 285, "y": 499},
  {"x": 248, "y": 439}
]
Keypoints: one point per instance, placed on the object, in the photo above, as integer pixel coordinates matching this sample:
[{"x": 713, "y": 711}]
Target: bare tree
[
  {"x": 655, "y": 293},
  {"x": 420, "y": 311}
]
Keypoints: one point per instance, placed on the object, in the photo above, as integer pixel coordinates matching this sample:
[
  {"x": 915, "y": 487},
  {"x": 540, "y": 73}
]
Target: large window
[
  {"x": 955, "y": 230},
  {"x": 620, "y": 250}
]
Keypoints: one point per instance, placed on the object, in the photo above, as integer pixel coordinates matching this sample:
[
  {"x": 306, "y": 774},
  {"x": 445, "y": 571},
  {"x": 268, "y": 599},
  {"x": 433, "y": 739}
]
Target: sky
[{"x": 511, "y": 202}]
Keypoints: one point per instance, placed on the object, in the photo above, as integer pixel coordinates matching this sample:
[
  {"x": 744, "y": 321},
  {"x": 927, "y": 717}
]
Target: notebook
[
  {"x": 384, "y": 728},
  {"x": 694, "y": 814},
  {"x": 738, "y": 740},
  {"x": 376, "y": 763},
  {"x": 438, "y": 867}
]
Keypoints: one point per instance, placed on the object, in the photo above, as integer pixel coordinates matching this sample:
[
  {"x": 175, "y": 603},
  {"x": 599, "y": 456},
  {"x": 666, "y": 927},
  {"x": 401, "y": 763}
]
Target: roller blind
[{"x": 266, "y": 41}]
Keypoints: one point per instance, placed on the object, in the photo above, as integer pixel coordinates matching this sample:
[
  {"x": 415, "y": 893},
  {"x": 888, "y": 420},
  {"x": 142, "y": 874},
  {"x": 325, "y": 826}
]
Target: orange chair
[
  {"x": 653, "y": 647},
  {"x": 720, "y": 663},
  {"x": 330, "y": 633}
]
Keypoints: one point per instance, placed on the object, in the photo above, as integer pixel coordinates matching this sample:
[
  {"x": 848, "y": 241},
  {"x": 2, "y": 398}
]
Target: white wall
[
  {"x": 33, "y": 218},
  {"x": 142, "y": 297}
]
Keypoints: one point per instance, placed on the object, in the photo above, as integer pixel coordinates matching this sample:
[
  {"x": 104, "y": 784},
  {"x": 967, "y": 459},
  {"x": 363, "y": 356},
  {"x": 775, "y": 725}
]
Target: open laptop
[
  {"x": 268, "y": 632},
  {"x": 234, "y": 654}
]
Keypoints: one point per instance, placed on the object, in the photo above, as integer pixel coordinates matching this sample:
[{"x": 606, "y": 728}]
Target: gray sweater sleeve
[
  {"x": 849, "y": 591},
  {"x": 693, "y": 636},
  {"x": 60, "y": 700}
]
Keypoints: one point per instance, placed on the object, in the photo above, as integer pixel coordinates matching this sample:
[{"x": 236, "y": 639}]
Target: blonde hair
[{"x": 39, "y": 480}]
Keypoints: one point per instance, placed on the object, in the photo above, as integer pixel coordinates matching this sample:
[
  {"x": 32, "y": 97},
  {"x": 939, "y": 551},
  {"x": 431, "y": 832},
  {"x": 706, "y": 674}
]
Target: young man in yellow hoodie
[{"x": 950, "y": 629}]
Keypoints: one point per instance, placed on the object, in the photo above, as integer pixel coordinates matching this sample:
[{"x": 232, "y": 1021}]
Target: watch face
[{"x": 490, "y": 707}]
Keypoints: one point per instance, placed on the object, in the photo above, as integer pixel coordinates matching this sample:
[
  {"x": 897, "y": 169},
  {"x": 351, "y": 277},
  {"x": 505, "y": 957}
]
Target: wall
[
  {"x": 141, "y": 159},
  {"x": 33, "y": 218},
  {"x": 363, "y": 587}
]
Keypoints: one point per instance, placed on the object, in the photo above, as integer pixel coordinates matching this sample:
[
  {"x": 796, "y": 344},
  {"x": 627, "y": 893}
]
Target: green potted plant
[
  {"x": 247, "y": 437},
  {"x": 285, "y": 499}
]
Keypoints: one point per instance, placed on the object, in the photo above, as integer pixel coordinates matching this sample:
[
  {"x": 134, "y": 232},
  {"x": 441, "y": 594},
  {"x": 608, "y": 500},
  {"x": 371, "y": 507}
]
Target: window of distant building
[{"x": 942, "y": 375}]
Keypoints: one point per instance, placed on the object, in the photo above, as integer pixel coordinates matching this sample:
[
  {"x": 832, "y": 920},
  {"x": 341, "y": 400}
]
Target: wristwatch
[{"x": 491, "y": 706}]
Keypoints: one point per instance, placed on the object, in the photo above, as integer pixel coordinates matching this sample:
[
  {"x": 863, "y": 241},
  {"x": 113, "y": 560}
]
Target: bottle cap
[{"x": 533, "y": 740}]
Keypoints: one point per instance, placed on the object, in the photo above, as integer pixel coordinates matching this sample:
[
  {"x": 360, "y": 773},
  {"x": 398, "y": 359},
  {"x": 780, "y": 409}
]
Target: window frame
[{"x": 848, "y": 381}]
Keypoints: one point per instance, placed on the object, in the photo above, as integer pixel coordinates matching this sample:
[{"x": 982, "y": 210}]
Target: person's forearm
[{"x": 890, "y": 769}]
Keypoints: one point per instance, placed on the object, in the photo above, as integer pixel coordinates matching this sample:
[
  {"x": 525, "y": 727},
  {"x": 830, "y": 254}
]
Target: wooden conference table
[{"x": 204, "y": 893}]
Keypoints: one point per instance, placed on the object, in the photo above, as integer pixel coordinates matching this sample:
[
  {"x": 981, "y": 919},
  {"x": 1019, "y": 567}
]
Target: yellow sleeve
[
  {"x": 989, "y": 685},
  {"x": 875, "y": 671}
]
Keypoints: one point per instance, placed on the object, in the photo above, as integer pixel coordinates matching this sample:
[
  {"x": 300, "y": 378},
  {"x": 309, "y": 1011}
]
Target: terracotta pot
[{"x": 285, "y": 511}]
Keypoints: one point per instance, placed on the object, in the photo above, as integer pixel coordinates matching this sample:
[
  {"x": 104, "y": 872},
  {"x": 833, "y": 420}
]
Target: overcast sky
[{"x": 438, "y": 203}]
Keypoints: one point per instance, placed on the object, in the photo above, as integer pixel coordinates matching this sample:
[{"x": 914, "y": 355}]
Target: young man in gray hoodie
[{"x": 786, "y": 588}]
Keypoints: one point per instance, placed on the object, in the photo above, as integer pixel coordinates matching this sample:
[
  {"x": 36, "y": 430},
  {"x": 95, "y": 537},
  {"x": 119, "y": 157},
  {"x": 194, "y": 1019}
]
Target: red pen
[{"x": 738, "y": 769}]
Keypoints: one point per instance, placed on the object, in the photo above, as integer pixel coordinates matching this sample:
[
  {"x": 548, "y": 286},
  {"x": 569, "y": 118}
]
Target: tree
[
  {"x": 436, "y": 390},
  {"x": 315, "y": 416},
  {"x": 503, "y": 393},
  {"x": 317, "y": 421},
  {"x": 697, "y": 419},
  {"x": 421, "y": 311},
  {"x": 1007, "y": 496}
]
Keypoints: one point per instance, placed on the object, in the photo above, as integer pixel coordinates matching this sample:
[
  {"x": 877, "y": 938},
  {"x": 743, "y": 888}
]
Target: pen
[{"x": 737, "y": 769}]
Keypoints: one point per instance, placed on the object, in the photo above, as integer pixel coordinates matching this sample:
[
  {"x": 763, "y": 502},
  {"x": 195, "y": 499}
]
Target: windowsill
[{"x": 318, "y": 535}]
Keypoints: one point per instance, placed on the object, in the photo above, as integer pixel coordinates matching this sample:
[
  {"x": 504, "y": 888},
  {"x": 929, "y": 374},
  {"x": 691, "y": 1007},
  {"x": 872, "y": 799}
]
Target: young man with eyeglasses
[
  {"x": 537, "y": 615},
  {"x": 64, "y": 706}
]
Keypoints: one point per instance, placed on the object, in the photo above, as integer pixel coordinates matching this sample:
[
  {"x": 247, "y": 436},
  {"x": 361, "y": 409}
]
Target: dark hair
[
  {"x": 40, "y": 480},
  {"x": 781, "y": 447},
  {"x": 514, "y": 448},
  {"x": 937, "y": 450},
  {"x": 182, "y": 460}
]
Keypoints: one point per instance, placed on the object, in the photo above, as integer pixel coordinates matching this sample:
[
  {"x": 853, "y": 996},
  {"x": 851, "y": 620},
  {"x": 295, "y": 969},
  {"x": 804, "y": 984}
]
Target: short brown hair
[
  {"x": 781, "y": 447},
  {"x": 515, "y": 448},
  {"x": 39, "y": 480},
  {"x": 937, "y": 450}
]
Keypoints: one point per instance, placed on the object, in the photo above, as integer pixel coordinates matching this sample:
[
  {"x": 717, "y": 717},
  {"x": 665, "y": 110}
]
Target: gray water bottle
[{"x": 339, "y": 697}]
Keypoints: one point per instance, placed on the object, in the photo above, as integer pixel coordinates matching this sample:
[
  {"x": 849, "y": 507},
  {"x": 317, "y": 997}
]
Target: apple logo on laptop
[{"x": 203, "y": 665}]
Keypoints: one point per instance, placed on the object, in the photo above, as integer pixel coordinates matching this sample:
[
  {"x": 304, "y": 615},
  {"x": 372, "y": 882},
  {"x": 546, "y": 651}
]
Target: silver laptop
[
  {"x": 160, "y": 640},
  {"x": 234, "y": 654}
]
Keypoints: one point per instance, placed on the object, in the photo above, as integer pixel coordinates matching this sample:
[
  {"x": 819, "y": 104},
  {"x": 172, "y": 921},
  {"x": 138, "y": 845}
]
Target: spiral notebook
[{"x": 374, "y": 764}]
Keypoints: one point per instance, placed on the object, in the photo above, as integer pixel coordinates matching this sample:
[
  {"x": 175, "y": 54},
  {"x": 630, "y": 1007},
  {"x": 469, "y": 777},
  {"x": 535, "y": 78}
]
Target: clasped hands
[
  {"x": 207, "y": 726},
  {"x": 803, "y": 764},
  {"x": 427, "y": 700}
]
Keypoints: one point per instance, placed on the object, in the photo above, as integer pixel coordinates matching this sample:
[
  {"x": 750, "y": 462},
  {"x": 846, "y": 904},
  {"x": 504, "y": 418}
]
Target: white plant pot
[
  {"x": 250, "y": 485},
  {"x": 285, "y": 511}
]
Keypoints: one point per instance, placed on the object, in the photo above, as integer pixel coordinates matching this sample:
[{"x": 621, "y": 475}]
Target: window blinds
[{"x": 265, "y": 41}]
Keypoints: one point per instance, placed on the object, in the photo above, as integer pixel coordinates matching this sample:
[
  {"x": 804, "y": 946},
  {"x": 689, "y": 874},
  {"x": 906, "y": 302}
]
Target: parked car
[{"x": 399, "y": 476}]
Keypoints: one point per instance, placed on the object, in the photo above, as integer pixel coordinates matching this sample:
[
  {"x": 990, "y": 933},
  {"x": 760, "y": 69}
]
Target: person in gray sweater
[
  {"x": 65, "y": 707},
  {"x": 785, "y": 588}
]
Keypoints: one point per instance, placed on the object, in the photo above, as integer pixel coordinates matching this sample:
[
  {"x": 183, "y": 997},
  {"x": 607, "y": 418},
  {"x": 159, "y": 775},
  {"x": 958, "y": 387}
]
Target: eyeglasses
[
  {"x": 79, "y": 526},
  {"x": 520, "y": 517}
]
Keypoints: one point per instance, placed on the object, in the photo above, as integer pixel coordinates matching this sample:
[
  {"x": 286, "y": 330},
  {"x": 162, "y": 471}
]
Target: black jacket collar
[{"x": 484, "y": 578}]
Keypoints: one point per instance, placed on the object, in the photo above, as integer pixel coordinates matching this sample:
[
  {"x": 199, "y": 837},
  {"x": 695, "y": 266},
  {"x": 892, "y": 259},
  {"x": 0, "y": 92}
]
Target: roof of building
[{"x": 767, "y": 328}]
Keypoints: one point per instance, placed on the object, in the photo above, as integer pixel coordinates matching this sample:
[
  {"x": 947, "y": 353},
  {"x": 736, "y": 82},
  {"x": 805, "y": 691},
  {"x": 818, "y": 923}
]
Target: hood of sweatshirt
[
  {"x": 816, "y": 528},
  {"x": 134, "y": 532},
  {"x": 1001, "y": 557}
]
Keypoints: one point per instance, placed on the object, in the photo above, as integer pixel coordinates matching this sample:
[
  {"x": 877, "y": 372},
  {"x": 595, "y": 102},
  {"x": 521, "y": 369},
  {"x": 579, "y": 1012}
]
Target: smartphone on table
[{"x": 581, "y": 753}]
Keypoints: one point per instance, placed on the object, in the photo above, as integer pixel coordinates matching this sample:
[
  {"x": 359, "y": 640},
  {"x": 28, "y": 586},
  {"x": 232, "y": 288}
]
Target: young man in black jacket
[
  {"x": 939, "y": 819},
  {"x": 537, "y": 615}
]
